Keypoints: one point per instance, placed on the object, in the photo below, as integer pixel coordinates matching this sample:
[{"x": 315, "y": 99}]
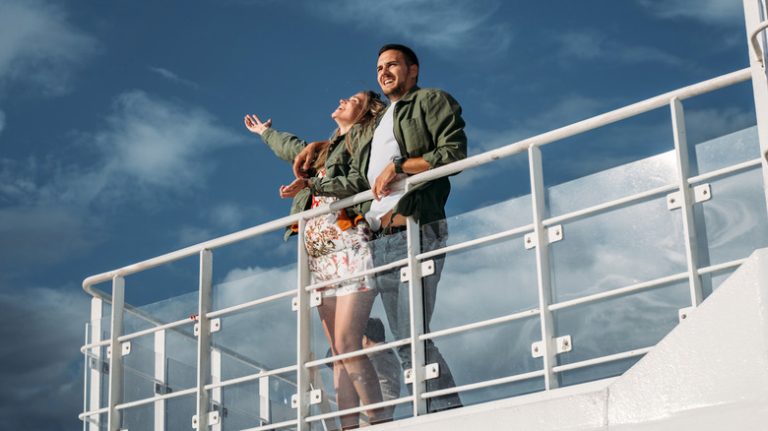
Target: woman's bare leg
[
  {"x": 346, "y": 395},
  {"x": 352, "y": 312}
]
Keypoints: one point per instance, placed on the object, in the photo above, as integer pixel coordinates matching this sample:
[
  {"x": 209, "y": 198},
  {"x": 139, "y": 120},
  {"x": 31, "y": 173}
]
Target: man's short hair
[
  {"x": 410, "y": 56},
  {"x": 374, "y": 330}
]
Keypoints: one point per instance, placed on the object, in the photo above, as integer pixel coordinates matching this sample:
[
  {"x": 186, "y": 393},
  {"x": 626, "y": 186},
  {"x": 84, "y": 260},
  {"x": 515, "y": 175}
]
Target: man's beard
[{"x": 396, "y": 92}]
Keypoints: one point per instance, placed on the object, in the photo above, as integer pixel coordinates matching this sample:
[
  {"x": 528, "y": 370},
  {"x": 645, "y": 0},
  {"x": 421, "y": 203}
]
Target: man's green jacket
[{"x": 427, "y": 124}]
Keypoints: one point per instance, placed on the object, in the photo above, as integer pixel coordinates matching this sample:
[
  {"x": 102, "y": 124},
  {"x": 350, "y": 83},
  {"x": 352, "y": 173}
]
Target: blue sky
[{"x": 121, "y": 133}]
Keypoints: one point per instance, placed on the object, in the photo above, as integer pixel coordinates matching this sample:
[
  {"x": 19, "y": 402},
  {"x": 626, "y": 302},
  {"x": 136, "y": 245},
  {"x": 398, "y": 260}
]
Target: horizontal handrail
[
  {"x": 286, "y": 424},
  {"x": 484, "y": 384},
  {"x": 452, "y": 168},
  {"x": 374, "y": 406},
  {"x": 342, "y": 356},
  {"x": 602, "y": 360},
  {"x": 583, "y": 126}
]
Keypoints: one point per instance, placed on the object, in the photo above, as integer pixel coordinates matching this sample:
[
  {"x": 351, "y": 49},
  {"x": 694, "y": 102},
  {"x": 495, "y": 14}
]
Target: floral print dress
[{"x": 335, "y": 252}]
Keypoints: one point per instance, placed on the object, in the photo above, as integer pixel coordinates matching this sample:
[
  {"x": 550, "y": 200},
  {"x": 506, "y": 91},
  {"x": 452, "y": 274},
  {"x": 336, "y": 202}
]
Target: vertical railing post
[
  {"x": 416, "y": 317},
  {"x": 687, "y": 200},
  {"x": 543, "y": 273},
  {"x": 754, "y": 13},
  {"x": 204, "y": 339},
  {"x": 162, "y": 379},
  {"x": 217, "y": 393},
  {"x": 116, "y": 357},
  {"x": 303, "y": 331},
  {"x": 265, "y": 407},
  {"x": 95, "y": 360}
]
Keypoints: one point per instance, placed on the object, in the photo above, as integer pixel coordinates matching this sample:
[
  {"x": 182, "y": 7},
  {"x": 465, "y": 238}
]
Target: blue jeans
[{"x": 394, "y": 296}]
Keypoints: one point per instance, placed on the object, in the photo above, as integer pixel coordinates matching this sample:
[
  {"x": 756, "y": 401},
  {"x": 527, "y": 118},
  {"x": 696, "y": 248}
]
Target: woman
[{"x": 337, "y": 247}]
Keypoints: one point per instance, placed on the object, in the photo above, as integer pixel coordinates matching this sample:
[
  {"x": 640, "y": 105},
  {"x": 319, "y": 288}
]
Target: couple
[{"x": 375, "y": 147}]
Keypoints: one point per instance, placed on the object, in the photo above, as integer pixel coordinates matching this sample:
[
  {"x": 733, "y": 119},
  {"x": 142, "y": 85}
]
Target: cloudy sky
[{"x": 121, "y": 133}]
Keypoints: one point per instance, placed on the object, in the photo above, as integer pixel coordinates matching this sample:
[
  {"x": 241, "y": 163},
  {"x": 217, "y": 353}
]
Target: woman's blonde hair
[{"x": 372, "y": 107}]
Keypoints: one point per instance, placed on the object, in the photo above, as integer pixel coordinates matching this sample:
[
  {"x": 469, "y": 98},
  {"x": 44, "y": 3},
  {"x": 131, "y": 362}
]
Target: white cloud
[
  {"x": 228, "y": 215},
  {"x": 148, "y": 146},
  {"x": 590, "y": 45},
  {"x": 441, "y": 25},
  {"x": 723, "y": 12},
  {"x": 39, "y": 46},
  {"x": 160, "y": 143},
  {"x": 171, "y": 76}
]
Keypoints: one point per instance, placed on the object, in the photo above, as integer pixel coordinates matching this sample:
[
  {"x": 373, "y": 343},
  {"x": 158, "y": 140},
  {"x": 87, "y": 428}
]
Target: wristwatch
[{"x": 398, "y": 162}]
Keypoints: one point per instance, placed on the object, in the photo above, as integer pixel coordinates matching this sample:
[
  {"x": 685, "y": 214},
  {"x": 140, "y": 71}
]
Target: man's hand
[
  {"x": 381, "y": 185},
  {"x": 303, "y": 161},
  {"x": 254, "y": 124},
  {"x": 293, "y": 188}
]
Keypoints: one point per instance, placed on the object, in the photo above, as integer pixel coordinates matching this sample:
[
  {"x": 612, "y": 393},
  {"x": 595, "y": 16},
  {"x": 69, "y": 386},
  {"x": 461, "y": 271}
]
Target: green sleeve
[
  {"x": 447, "y": 128},
  {"x": 348, "y": 185},
  {"x": 285, "y": 145}
]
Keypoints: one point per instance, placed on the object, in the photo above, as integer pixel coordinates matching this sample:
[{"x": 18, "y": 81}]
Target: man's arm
[{"x": 445, "y": 125}]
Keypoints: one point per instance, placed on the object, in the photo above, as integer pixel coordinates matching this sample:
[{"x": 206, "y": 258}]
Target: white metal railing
[
  {"x": 203, "y": 390},
  {"x": 755, "y": 44}
]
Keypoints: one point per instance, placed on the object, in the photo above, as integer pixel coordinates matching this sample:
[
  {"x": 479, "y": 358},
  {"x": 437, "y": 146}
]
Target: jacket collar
[{"x": 409, "y": 95}]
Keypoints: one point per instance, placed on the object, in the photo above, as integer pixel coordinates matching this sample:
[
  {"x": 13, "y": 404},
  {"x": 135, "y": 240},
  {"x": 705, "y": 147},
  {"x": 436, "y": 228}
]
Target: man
[
  {"x": 385, "y": 362},
  {"x": 420, "y": 130}
]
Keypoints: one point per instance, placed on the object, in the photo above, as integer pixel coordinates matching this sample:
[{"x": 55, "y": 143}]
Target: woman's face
[{"x": 349, "y": 109}]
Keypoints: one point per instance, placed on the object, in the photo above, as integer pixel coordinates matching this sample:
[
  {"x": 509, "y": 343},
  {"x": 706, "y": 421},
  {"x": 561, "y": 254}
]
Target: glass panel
[
  {"x": 735, "y": 219},
  {"x": 179, "y": 375},
  {"x": 484, "y": 282},
  {"x": 261, "y": 338},
  {"x": 617, "y": 249},
  {"x": 615, "y": 183},
  {"x": 162, "y": 294},
  {"x": 179, "y": 412},
  {"x": 728, "y": 150},
  {"x": 486, "y": 190},
  {"x": 490, "y": 353},
  {"x": 597, "y": 372},
  {"x": 620, "y": 324},
  {"x": 165, "y": 311},
  {"x": 139, "y": 418},
  {"x": 139, "y": 370},
  {"x": 387, "y": 376},
  {"x": 241, "y": 285},
  {"x": 256, "y": 403},
  {"x": 500, "y": 392}
]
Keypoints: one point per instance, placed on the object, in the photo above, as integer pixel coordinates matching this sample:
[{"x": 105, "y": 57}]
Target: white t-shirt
[{"x": 384, "y": 148}]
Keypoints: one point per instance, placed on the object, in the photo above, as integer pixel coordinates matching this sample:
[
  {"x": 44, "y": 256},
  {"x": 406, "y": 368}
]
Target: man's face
[{"x": 394, "y": 75}]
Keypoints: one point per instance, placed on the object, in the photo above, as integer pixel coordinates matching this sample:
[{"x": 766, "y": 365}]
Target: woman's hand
[
  {"x": 293, "y": 188},
  {"x": 254, "y": 124},
  {"x": 305, "y": 158}
]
